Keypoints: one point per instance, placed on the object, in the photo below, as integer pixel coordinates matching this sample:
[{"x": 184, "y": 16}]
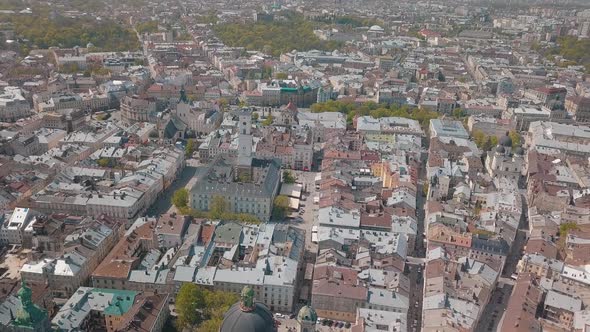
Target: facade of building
[
  {"x": 579, "y": 107},
  {"x": 112, "y": 310},
  {"x": 68, "y": 100},
  {"x": 13, "y": 105},
  {"x": 553, "y": 138},
  {"x": 135, "y": 109},
  {"x": 550, "y": 97},
  {"x": 13, "y": 227},
  {"x": 248, "y": 185},
  {"x": 222, "y": 179},
  {"x": 447, "y": 128},
  {"x": 502, "y": 162}
]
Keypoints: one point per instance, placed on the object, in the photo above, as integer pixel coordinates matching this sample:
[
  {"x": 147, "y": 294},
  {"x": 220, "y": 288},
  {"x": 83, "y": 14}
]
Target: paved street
[
  {"x": 163, "y": 203},
  {"x": 305, "y": 222},
  {"x": 501, "y": 294},
  {"x": 495, "y": 308},
  {"x": 415, "y": 310},
  {"x": 416, "y": 263},
  {"x": 308, "y": 218},
  {"x": 515, "y": 253}
]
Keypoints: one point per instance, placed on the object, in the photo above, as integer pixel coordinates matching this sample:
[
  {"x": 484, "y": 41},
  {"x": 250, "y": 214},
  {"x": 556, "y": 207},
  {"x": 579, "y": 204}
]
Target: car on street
[{"x": 314, "y": 234}]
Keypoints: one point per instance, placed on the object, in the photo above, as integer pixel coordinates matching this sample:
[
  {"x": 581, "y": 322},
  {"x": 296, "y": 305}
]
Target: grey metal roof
[{"x": 229, "y": 232}]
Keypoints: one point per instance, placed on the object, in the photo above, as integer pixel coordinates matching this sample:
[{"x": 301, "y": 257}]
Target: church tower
[
  {"x": 243, "y": 170},
  {"x": 306, "y": 319}
]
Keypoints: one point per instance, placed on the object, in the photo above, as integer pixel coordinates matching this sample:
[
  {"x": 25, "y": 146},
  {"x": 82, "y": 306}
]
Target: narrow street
[
  {"x": 416, "y": 263},
  {"x": 496, "y": 307},
  {"x": 164, "y": 202},
  {"x": 416, "y": 284}
]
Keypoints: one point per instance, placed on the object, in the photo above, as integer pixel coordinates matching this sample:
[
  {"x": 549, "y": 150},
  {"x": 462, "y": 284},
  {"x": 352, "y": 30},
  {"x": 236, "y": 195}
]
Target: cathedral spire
[
  {"x": 247, "y": 299},
  {"x": 183, "y": 97}
]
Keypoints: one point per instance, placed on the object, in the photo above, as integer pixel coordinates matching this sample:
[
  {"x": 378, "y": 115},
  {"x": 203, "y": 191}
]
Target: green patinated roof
[
  {"x": 120, "y": 304},
  {"x": 29, "y": 315},
  {"x": 307, "y": 314},
  {"x": 304, "y": 88}
]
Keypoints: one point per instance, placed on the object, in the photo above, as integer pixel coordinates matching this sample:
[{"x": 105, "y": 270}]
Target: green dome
[
  {"x": 248, "y": 316},
  {"x": 307, "y": 314}
]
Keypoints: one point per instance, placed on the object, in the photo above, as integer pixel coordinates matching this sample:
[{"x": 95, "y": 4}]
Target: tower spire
[
  {"x": 183, "y": 97},
  {"x": 247, "y": 299}
]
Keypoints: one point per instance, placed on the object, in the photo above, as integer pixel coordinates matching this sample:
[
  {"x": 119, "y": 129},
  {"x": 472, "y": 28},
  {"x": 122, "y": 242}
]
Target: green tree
[
  {"x": 147, "y": 27},
  {"x": 255, "y": 117},
  {"x": 200, "y": 308},
  {"x": 479, "y": 138},
  {"x": 101, "y": 71},
  {"x": 458, "y": 113},
  {"x": 103, "y": 162},
  {"x": 274, "y": 37},
  {"x": 189, "y": 301},
  {"x": 244, "y": 177},
  {"x": 280, "y": 207},
  {"x": 189, "y": 148},
  {"x": 488, "y": 145},
  {"x": 180, "y": 198},
  {"x": 484, "y": 142},
  {"x": 288, "y": 177},
  {"x": 566, "y": 228},
  {"x": 210, "y": 18},
  {"x": 494, "y": 141},
  {"x": 42, "y": 32},
  {"x": 281, "y": 76},
  {"x": 267, "y": 121},
  {"x": 515, "y": 137},
  {"x": 375, "y": 110},
  {"x": 217, "y": 207},
  {"x": 266, "y": 72},
  {"x": 247, "y": 218},
  {"x": 210, "y": 325},
  {"x": 70, "y": 68},
  {"x": 185, "y": 36},
  {"x": 223, "y": 104}
]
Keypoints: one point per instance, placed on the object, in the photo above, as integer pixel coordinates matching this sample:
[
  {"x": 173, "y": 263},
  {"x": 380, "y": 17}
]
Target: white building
[
  {"x": 13, "y": 105},
  {"x": 12, "y": 228},
  {"x": 555, "y": 138},
  {"x": 447, "y": 128}
]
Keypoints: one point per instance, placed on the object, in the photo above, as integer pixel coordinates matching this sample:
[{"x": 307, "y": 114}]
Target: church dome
[
  {"x": 376, "y": 28},
  {"x": 500, "y": 149},
  {"x": 307, "y": 314},
  {"x": 248, "y": 316}
]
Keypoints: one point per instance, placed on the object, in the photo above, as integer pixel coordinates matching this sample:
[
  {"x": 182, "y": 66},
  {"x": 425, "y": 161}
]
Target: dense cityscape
[{"x": 295, "y": 165}]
